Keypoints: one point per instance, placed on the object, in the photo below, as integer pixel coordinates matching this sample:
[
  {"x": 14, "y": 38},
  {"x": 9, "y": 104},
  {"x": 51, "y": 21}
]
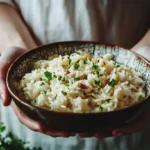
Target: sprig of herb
[{"x": 14, "y": 143}]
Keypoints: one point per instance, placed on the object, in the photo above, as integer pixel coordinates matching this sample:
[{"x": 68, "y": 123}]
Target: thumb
[{"x": 5, "y": 61}]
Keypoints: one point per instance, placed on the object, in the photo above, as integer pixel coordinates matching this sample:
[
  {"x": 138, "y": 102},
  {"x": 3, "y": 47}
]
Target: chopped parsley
[
  {"x": 77, "y": 79},
  {"x": 85, "y": 61},
  {"x": 64, "y": 93},
  {"x": 140, "y": 97},
  {"x": 101, "y": 108},
  {"x": 76, "y": 66},
  {"x": 117, "y": 66},
  {"x": 42, "y": 84},
  {"x": 63, "y": 79},
  {"x": 69, "y": 60},
  {"x": 54, "y": 76},
  {"x": 95, "y": 67},
  {"x": 108, "y": 100},
  {"x": 112, "y": 83},
  {"x": 59, "y": 78},
  {"x": 48, "y": 75}
]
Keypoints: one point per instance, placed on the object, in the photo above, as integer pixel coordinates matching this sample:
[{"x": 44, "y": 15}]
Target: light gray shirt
[{"x": 119, "y": 22}]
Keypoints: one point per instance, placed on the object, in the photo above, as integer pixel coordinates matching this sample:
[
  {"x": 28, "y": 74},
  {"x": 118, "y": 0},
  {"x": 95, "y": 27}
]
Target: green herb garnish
[
  {"x": 117, "y": 66},
  {"x": 42, "y": 84},
  {"x": 44, "y": 92},
  {"x": 55, "y": 96},
  {"x": 108, "y": 100},
  {"x": 59, "y": 78},
  {"x": 101, "y": 108},
  {"x": 98, "y": 74},
  {"x": 76, "y": 66},
  {"x": 95, "y": 67},
  {"x": 48, "y": 75},
  {"x": 63, "y": 79},
  {"x": 64, "y": 93},
  {"x": 85, "y": 61},
  {"x": 69, "y": 60},
  {"x": 140, "y": 97},
  {"x": 54, "y": 76},
  {"x": 112, "y": 83},
  {"x": 77, "y": 79}
]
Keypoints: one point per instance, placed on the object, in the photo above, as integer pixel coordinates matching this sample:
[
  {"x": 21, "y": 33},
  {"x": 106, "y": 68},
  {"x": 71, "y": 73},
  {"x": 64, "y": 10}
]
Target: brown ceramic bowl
[{"x": 78, "y": 122}]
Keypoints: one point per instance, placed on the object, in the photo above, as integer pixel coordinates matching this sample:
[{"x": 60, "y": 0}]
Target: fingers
[
  {"x": 139, "y": 124},
  {"x": 36, "y": 126},
  {"x": 33, "y": 125},
  {"x": 5, "y": 61}
]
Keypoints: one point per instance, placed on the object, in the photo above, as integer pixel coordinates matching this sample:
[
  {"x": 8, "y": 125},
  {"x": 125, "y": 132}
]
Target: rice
[{"x": 82, "y": 83}]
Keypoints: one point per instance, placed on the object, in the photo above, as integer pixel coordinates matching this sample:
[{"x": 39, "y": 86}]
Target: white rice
[{"x": 82, "y": 83}]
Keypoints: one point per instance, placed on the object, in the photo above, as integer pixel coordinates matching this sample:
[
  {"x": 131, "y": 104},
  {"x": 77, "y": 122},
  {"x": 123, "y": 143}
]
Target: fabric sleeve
[{"x": 7, "y": 2}]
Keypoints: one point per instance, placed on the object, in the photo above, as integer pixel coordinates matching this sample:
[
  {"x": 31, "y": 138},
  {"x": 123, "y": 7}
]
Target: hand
[
  {"x": 143, "y": 120},
  {"x": 5, "y": 60}
]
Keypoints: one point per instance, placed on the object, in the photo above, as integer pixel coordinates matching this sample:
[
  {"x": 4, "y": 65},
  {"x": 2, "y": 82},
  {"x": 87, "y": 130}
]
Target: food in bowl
[{"x": 82, "y": 83}]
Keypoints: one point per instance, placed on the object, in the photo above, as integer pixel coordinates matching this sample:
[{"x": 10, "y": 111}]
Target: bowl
[{"x": 78, "y": 122}]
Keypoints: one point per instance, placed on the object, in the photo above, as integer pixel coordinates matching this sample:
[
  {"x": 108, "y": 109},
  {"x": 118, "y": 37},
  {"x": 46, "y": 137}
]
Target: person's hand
[
  {"x": 143, "y": 121},
  {"x": 5, "y": 60}
]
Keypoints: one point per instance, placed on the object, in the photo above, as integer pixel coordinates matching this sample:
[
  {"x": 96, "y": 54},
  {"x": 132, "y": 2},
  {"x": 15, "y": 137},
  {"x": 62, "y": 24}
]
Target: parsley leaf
[
  {"x": 59, "y": 78},
  {"x": 85, "y": 61},
  {"x": 112, "y": 83},
  {"x": 42, "y": 84},
  {"x": 48, "y": 75},
  {"x": 76, "y": 66},
  {"x": 117, "y": 66},
  {"x": 77, "y": 79},
  {"x": 108, "y": 100},
  {"x": 64, "y": 93},
  {"x": 69, "y": 60},
  {"x": 95, "y": 67}
]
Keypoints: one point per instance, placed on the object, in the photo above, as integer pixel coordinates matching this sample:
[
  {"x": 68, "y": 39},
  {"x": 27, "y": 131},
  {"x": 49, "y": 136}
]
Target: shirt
[{"x": 119, "y": 22}]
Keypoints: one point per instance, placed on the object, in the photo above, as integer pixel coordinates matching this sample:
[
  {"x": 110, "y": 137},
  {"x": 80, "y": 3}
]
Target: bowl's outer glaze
[{"x": 78, "y": 122}]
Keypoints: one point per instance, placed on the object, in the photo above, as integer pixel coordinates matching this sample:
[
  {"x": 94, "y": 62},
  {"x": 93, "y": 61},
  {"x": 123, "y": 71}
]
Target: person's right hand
[{"x": 5, "y": 61}]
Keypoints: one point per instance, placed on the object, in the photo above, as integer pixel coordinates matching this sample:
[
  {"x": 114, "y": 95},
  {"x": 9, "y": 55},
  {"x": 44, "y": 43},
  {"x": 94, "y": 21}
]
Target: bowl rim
[{"x": 69, "y": 113}]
